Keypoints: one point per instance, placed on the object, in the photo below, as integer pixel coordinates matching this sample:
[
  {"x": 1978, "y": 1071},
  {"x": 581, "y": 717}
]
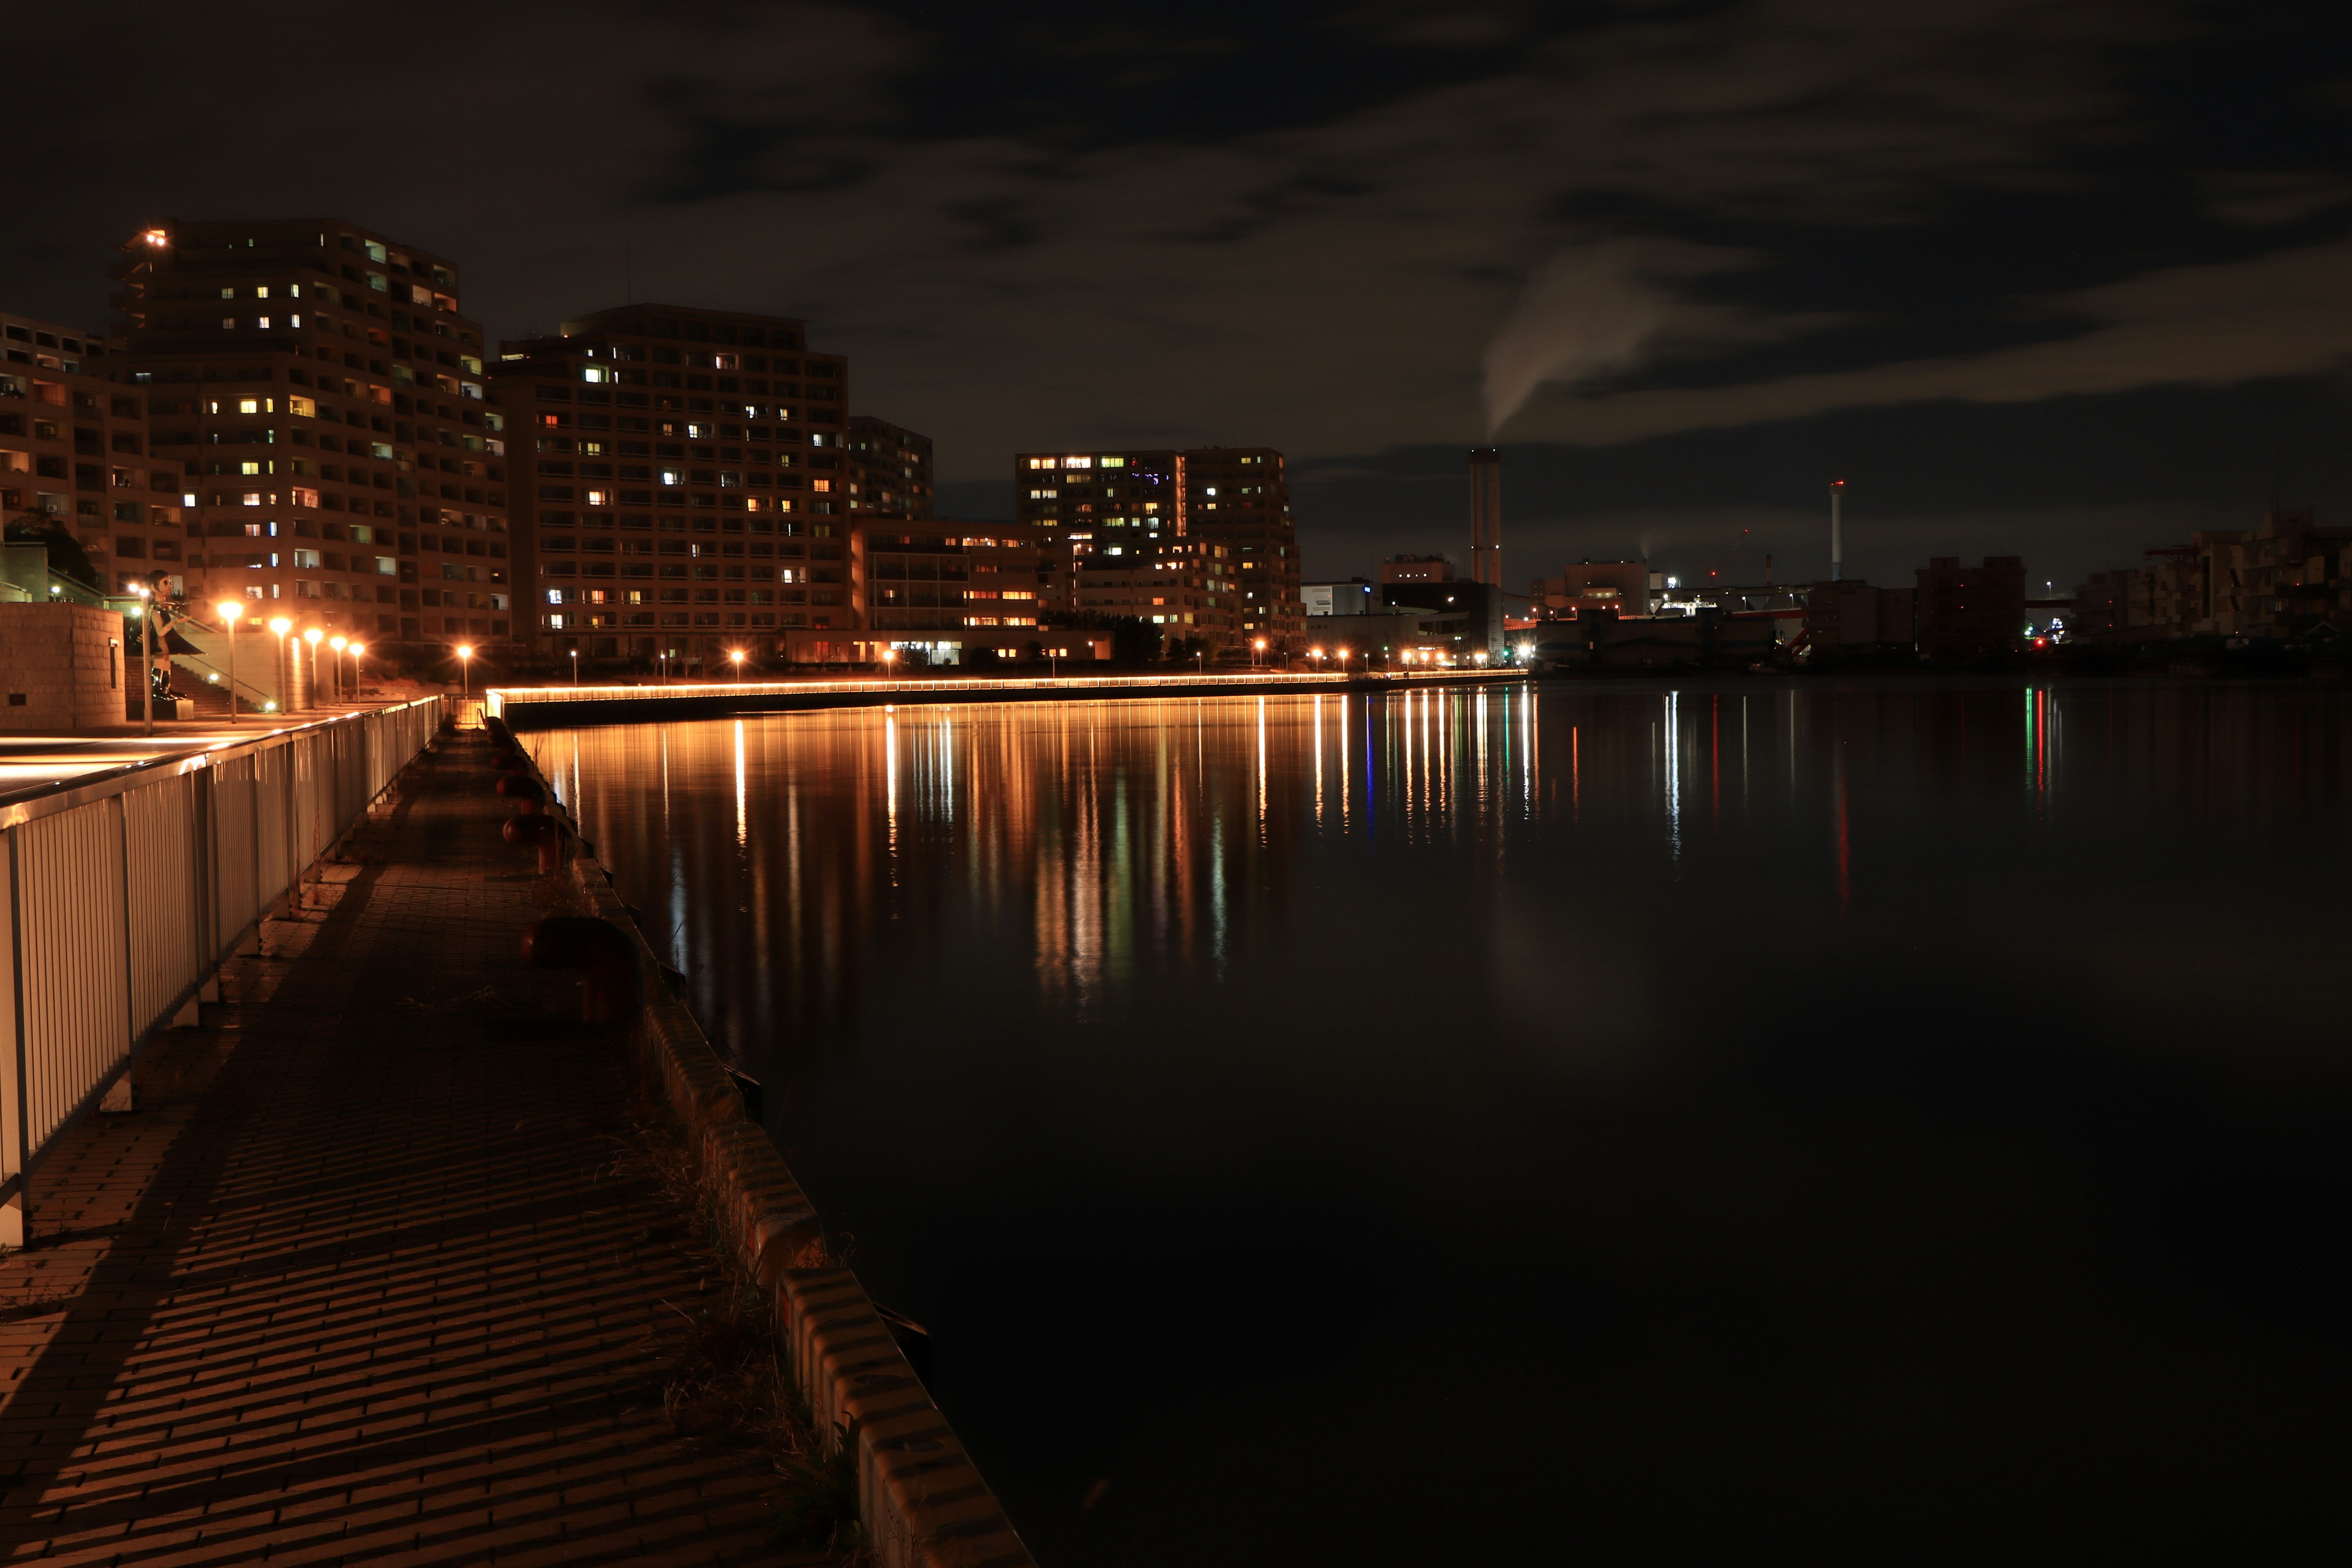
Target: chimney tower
[
  {"x": 1837, "y": 531},
  {"x": 1486, "y": 515}
]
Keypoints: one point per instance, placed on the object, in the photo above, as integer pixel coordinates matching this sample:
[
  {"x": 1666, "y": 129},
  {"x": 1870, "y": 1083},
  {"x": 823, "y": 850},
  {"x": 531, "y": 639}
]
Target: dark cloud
[{"x": 1307, "y": 226}]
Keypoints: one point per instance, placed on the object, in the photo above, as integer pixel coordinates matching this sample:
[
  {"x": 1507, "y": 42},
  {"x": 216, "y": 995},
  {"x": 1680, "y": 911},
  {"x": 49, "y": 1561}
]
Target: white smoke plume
[{"x": 1585, "y": 313}]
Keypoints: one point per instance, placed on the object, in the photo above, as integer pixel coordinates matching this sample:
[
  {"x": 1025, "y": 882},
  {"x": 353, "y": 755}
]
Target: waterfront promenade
[{"x": 369, "y": 1275}]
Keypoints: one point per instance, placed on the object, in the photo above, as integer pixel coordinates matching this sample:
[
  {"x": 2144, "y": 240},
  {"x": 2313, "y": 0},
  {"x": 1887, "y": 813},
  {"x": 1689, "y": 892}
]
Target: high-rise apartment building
[
  {"x": 75, "y": 453},
  {"x": 1213, "y": 522},
  {"x": 890, "y": 468},
  {"x": 686, "y": 485},
  {"x": 326, "y": 392}
]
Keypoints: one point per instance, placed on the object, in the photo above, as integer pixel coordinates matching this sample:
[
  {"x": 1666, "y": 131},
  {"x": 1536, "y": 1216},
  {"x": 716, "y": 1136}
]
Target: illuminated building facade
[
  {"x": 325, "y": 391},
  {"x": 688, "y": 486},
  {"x": 75, "y": 452},
  {"x": 889, "y": 467},
  {"x": 1215, "y": 521}
]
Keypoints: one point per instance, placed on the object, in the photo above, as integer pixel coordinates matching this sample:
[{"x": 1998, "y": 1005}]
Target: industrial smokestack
[
  {"x": 1486, "y": 515},
  {"x": 1837, "y": 532}
]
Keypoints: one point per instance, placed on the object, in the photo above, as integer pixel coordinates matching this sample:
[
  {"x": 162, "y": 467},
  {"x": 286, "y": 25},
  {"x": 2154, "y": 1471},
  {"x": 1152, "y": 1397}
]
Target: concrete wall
[{"x": 61, "y": 667}]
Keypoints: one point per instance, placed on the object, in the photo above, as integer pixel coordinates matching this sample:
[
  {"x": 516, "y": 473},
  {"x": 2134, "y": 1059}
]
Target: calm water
[{"x": 1902, "y": 1122}]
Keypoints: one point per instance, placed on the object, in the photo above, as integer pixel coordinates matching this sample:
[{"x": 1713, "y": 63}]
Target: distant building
[
  {"x": 1416, "y": 569},
  {"x": 2281, "y": 581},
  {"x": 687, "y": 490},
  {"x": 77, "y": 451},
  {"x": 1456, "y": 614},
  {"x": 1853, "y": 615},
  {"x": 1970, "y": 610},
  {"x": 322, "y": 380},
  {"x": 1626, "y": 587},
  {"x": 1355, "y": 597},
  {"x": 890, "y": 468},
  {"x": 958, "y": 592},
  {"x": 1220, "y": 515}
]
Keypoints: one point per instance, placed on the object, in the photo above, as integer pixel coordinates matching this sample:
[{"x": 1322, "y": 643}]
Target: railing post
[{"x": 14, "y": 1128}]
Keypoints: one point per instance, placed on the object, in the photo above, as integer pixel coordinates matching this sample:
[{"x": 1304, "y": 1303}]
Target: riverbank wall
[
  {"x": 574, "y": 707},
  {"x": 923, "y": 1500}
]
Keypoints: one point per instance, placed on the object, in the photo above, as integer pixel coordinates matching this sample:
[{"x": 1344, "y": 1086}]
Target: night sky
[{"x": 2060, "y": 280}]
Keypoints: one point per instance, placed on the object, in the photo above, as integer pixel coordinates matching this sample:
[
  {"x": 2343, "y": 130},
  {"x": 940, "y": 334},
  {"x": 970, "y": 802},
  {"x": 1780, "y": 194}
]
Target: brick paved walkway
[{"x": 360, "y": 1281}]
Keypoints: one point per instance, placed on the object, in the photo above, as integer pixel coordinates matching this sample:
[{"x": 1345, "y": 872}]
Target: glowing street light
[
  {"x": 146, "y": 664},
  {"x": 736, "y": 654},
  {"x": 313, "y": 637},
  {"x": 575, "y": 667},
  {"x": 228, "y": 610},
  {"x": 465, "y": 671},
  {"x": 281, "y": 626},
  {"x": 339, "y": 644},
  {"x": 357, "y": 649},
  {"x": 1257, "y": 652}
]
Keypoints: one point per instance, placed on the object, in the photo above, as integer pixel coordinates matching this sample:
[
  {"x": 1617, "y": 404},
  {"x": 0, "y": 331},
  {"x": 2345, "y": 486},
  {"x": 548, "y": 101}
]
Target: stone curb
[{"x": 924, "y": 1501}]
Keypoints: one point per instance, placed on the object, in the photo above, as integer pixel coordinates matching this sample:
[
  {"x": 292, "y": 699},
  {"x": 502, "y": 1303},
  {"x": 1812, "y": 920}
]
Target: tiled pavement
[{"x": 360, "y": 1282}]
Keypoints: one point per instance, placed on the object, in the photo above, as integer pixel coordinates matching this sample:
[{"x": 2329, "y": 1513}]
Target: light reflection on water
[{"x": 1469, "y": 1125}]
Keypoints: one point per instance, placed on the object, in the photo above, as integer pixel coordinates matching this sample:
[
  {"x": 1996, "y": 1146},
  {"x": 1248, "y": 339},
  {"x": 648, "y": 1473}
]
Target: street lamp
[
  {"x": 146, "y": 664},
  {"x": 465, "y": 671},
  {"x": 1257, "y": 652},
  {"x": 357, "y": 649},
  {"x": 313, "y": 637},
  {"x": 339, "y": 644},
  {"x": 575, "y": 667},
  {"x": 736, "y": 654},
  {"x": 228, "y": 610},
  {"x": 281, "y": 626}
]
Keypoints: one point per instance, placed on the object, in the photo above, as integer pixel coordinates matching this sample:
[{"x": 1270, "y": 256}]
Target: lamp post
[
  {"x": 146, "y": 665},
  {"x": 465, "y": 671},
  {"x": 358, "y": 649},
  {"x": 281, "y": 626},
  {"x": 1257, "y": 653},
  {"x": 575, "y": 667},
  {"x": 339, "y": 644},
  {"x": 736, "y": 656},
  {"x": 313, "y": 637},
  {"x": 228, "y": 610}
]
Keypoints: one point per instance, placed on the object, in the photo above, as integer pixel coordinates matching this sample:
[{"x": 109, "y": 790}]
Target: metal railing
[
  {"x": 502, "y": 698},
  {"x": 120, "y": 898}
]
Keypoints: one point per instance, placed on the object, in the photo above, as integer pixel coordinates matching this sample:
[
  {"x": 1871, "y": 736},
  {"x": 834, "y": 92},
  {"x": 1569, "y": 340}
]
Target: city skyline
[{"x": 2039, "y": 280}]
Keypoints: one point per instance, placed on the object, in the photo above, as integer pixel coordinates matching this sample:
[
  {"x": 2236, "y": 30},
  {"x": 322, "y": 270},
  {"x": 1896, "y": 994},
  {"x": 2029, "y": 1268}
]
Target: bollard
[
  {"x": 599, "y": 947},
  {"x": 538, "y": 829},
  {"x": 525, "y": 793}
]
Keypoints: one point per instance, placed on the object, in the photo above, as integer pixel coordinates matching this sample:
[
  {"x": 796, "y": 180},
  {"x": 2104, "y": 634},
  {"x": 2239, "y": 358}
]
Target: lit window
[
  {"x": 262, "y": 322},
  {"x": 820, "y": 484},
  {"x": 294, "y": 322},
  {"x": 306, "y": 559},
  {"x": 248, "y": 406},
  {"x": 595, "y": 373},
  {"x": 1114, "y": 462},
  {"x": 673, "y": 476},
  {"x": 302, "y": 407},
  {"x": 293, "y": 291},
  {"x": 1043, "y": 494},
  {"x": 1077, "y": 462},
  {"x": 250, "y": 498},
  {"x": 1211, "y": 491},
  {"x": 228, "y": 293},
  {"x": 600, "y": 497},
  {"x": 385, "y": 566},
  {"x": 229, "y": 323}
]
